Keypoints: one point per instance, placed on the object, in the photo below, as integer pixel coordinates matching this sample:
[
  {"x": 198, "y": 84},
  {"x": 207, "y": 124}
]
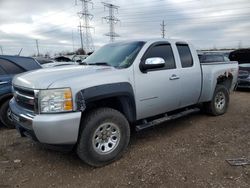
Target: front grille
[{"x": 24, "y": 97}]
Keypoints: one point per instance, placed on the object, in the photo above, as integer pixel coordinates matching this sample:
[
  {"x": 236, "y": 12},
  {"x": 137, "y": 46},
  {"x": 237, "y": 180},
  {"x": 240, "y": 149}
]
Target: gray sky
[{"x": 207, "y": 24}]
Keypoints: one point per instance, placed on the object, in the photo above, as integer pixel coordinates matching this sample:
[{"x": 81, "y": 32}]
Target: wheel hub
[
  {"x": 220, "y": 100},
  {"x": 106, "y": 138},
  {"x": 9, "y": 114}
]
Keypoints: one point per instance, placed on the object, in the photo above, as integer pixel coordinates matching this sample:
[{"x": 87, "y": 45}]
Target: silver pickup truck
[{"x": 124, "y": 85}]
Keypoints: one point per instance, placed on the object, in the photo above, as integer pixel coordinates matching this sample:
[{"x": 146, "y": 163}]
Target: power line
[
  {"x": 86, "y": 17},
  {"x": 152, "y": 4},
  {"x": 52, "y": 14},
  {"x": 156, "y": 14},
  {"x": 193, "y": 19},
  {"x": 160, "y": 12},
  {"x": 191, "y": 4},
  {"x": 163, "y": 30},
  {"x": 147, "y": 21},
  {"x": 112, "y": 20}
]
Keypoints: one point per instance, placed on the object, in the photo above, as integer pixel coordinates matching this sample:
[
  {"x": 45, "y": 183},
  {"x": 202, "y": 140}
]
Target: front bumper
[{"x": 54, "y": 129}]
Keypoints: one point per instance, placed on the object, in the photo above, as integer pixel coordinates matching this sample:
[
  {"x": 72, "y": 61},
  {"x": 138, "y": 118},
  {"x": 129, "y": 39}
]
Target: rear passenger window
[
  {"x": 164, "y": 51},
  {"x": 185, "y": 55},
  {"x": 10, "y": 68},
  {"x": 214, "y": 58}
]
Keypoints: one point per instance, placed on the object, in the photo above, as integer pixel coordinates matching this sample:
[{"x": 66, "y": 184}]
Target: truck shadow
[
  {"x": 168, "y": 128},
  {"x": 243, "y": 89},
  {"x": 70, "y": 160}
]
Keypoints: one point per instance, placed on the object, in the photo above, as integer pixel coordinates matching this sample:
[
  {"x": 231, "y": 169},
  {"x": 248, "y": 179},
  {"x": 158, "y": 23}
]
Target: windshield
[{"x": 119, "y": 55}]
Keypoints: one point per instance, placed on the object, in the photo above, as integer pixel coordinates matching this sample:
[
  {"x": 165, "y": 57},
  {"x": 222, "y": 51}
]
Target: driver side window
[{"x": 163, "y": 51}]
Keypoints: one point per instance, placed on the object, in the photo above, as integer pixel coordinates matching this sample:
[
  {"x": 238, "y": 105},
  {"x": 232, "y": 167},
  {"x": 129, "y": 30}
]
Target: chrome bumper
[{"x": 60, "y": 128}]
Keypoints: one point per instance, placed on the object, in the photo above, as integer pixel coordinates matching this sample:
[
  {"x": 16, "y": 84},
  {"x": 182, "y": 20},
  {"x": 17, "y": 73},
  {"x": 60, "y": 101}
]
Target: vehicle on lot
[
  {"x": 43, "y": 60},
  {"x": 244, "y": 76},
  {"x": 241, "y": 55},
  {"x": 48, "y": 63},
  {"x": 58, "y": 64},
  {"x": 79, "y": 58},
  {"x": 62, "y": 59},
  {"x": 10, "y": 66},
  {"x": 133, "y": 84},
  {"x": 243, "y": 58},
  {"x": 213, "y": 57}
]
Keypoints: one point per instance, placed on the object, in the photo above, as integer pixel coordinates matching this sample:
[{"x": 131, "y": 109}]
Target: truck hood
[{"x": 43, "y": 78}]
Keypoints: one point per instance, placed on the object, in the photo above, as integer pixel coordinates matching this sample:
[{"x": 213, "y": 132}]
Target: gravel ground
[{"x": 189, "y": 152}]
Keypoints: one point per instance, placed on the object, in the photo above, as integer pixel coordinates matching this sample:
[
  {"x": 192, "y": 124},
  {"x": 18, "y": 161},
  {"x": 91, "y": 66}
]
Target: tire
[
  {"x": 220, "y": 101},
  {"x": 104, "y": 136},
  {"x": 5, "y": 116}
]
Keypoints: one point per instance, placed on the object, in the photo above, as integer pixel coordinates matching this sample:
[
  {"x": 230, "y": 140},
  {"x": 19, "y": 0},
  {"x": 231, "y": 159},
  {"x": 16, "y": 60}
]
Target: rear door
[
  {"x": 191, "y": 75},
  {"x": 158, "y": 90}
]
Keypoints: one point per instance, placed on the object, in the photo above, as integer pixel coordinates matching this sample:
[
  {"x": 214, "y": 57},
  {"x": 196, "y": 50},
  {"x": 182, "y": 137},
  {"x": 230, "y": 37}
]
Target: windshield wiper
[{"x": 100, "y": 64}]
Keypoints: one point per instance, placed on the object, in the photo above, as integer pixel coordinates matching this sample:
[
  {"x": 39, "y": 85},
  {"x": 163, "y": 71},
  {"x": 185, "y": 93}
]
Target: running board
[{"x": 147, "y": 124}]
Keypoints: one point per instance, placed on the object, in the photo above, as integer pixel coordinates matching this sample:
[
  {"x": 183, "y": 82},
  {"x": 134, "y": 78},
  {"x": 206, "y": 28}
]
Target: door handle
[
  {"x": 3, "y": 82},
  {"x": 174, "y": 77}
]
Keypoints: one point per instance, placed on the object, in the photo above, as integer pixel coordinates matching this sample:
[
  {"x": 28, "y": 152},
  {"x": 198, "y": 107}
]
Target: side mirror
[{"x": 152, "y": 63}]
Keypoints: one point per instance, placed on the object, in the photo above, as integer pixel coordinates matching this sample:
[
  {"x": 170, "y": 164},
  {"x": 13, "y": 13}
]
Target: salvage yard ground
[{"x": 189, "y": 152}]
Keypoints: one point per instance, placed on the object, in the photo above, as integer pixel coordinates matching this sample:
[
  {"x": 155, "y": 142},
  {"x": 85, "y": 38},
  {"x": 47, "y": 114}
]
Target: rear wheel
[
  {"x": 104, "y": 136},
  {"x": 5, "y": 115},
  {"x": 220, "y": 101}
]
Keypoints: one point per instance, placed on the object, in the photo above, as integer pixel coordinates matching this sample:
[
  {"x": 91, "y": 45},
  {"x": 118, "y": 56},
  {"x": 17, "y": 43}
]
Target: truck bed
[{"x": 211, "y": 72}]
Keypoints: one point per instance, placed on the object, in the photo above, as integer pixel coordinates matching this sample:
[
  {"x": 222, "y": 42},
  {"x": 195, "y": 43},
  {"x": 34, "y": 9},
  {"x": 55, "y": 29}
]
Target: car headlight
[{"x": 55, "y": 100}]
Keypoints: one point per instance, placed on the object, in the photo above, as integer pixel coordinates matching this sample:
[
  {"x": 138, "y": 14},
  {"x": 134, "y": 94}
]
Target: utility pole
[
  {"x": 1, "y": 49},
  {"x": 112, "y": 20},
  {"x": 73, "y": 43},
  {"x": 80, "y": 30},
  {"x": 163, "y": 30},
  {"x": 240, "y": 44},
  {"x": 37, "y": 47},
  {"x": 85, "y": 16}
]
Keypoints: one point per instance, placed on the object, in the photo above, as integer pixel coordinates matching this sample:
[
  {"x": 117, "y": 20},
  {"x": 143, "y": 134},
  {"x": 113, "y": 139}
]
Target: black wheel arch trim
[
  {"x": 5, "y": 96},
  {"x": 122, "y": 90}
]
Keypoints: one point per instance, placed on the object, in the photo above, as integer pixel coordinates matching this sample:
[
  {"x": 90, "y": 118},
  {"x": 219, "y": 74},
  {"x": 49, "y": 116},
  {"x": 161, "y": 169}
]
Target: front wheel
[
  {"x": 220, "y": 101},
  {"x": 5, "y": 115},
  {"x": 104, "y": 136}
]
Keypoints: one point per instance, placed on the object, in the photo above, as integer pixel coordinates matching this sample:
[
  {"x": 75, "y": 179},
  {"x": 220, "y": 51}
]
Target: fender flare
[
  {"x": 122, "y": 90},
  {"x": 5, "y": 96}
]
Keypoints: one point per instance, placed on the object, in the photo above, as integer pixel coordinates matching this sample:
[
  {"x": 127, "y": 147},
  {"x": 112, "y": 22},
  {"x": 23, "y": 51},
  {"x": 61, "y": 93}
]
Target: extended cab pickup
[{"x": 124, "y": 85}]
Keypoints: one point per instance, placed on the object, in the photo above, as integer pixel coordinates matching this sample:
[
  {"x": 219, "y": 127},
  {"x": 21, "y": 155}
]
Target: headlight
[{"x": 55, "y": 100}]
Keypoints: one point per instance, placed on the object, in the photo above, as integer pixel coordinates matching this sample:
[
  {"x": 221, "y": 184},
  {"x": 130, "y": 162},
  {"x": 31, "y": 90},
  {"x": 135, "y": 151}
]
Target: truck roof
[{"x": 154, "y": 40}]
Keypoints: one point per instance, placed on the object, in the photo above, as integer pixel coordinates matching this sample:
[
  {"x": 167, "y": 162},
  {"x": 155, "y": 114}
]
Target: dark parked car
[
  {"x": 244, "y": 76},
  {"x": 10, "y": 66},
  {"x": 243, "y": 58},
  {"x": 42, "y": 60}
]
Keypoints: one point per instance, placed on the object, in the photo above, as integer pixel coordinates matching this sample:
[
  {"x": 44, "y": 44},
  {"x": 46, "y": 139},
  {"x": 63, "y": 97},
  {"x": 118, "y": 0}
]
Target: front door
[{"x": 157, "y": 90}]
